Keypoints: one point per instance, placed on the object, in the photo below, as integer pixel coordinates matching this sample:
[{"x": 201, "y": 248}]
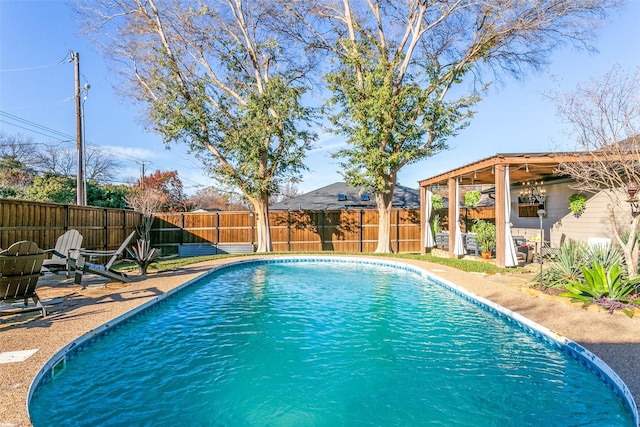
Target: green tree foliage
[
  {"x": 107, "y": 196},
  {"x": 220, "y": 78},
  {"x": 62, "y": 189},
  {"x": 16, "y": 168},
  {"x": 396, "y": 63},
  {"x": 52, "y": 189},
  {"x": 45, "y": 172},
  {"x": 15, "y": 176}
]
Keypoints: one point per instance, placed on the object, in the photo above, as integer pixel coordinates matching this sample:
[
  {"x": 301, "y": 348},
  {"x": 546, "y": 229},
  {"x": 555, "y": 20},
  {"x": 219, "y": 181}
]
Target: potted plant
[
  {"x": 577, "y": 203},
  {"x": 485, "y": 234}
]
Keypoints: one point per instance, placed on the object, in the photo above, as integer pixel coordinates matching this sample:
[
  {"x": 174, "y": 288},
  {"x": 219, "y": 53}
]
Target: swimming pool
[{"x": 325, "y": 341}]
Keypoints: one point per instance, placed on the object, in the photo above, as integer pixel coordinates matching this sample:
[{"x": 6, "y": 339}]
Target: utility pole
[
  {"x": 142, "y": 173},
  {"x": 81, "y": 198}
]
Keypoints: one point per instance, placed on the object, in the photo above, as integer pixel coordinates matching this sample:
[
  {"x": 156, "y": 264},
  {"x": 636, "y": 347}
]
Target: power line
[
  {"x": 38, "y": 67},
  {"x": 63, "y": 137},
  {"x": 34, "y": 125},
  {"x": 35, "y": 131},
  {"x": 24, "y": 107},
  {"x": 52, "y": 133}
]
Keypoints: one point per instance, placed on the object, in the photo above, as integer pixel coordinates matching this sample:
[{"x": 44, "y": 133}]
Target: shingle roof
[{"x": 339, "y": 196}]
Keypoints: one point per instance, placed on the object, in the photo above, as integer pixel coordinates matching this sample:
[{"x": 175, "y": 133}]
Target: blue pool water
[{"x": 322, "y": 344}]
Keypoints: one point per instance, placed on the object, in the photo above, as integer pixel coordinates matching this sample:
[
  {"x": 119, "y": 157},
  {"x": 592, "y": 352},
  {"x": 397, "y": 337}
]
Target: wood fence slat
[
  {"x": 297, "y": 231},
  {"x": 45, "y": 222}
]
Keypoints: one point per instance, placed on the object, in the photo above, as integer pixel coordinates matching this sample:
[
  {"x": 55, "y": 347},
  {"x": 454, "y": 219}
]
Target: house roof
[{"x": 339, "y": 196}]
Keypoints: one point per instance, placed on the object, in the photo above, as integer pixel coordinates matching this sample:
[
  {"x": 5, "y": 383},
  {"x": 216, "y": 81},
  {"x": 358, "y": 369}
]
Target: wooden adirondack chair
[
  {"x": 20, "y": 266},
  {"x": 84, "y": 265},
  {"x": 66, "y": 249}
]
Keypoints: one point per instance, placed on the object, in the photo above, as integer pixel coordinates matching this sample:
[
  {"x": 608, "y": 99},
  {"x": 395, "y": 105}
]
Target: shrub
[
  {"x": 572, "y": 256},
  {"x": 143, "y": 255},
  {"x": 565, "y": 267},
  {"x": 604, "y": 287}
]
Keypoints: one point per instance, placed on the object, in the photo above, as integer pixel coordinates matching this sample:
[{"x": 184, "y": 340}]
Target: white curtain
[
  {"x": 428, "y": 207},
  {"x": 510, "y": 257},
  {"x": 458, "y": 249}
]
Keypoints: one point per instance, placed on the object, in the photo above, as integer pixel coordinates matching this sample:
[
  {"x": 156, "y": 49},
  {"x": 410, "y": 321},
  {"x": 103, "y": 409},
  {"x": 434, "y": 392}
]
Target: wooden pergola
[{"x": 523, "y": 167}]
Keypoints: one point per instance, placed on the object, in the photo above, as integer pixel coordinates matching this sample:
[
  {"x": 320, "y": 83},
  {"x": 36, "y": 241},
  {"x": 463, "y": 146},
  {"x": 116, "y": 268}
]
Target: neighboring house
[
  {"x": 520, "y": 174},
  {"x": 339, "y": 196}
]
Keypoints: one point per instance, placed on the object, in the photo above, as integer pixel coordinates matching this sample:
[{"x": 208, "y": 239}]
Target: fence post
[
  {"x": 252, "y": 215},
  {"x": 67, "y": 217},
  {"x": 181, "y": 229},
  {"x": 397, "y": 230},
  {"x": 217, "y": 227},
  {"x": 324, "y": 220},
  {"x": 361, "y": 231},
  {"x": 105, "y": 222},
  {"x": 288, "y": 231}
]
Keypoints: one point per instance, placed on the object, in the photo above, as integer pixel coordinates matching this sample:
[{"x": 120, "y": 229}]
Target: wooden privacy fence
[
  {"x": 467, "y": 216},
  {"x": 291, "y": 231},
  {"x": 101, "y": 228}
]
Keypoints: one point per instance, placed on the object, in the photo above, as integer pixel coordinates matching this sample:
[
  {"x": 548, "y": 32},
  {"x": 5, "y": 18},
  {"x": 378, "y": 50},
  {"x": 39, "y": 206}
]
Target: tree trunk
[
  {"x": 630, "y": 250},
  {"x": 261, "y": 212},
  {"x": 383, "y": 201},
  {"x": 630, "y": 246}
]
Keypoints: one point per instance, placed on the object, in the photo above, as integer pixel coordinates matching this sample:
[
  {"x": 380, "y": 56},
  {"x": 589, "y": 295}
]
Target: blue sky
[{"x": 37, "y": 88}]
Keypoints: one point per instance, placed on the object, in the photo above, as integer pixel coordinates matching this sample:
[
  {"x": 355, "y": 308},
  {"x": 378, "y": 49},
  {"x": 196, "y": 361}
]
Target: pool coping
[{"x": 601, "y": 369}]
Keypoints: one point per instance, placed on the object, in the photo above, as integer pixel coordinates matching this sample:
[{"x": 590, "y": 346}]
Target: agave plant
[
  {"x": 565, "y": 267},
  {"x": 143, "y": 255},
  {"x": 604, "y": 287},
  {"x": 607, "y": 256},
  {"x": 574, "y": 255}
]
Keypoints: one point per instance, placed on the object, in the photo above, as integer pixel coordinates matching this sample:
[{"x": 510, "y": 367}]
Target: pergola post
[
  {"x": 500, "y": 215},
  {"x": 424, "y": 222},
  {"x": 453, "y": 205}
]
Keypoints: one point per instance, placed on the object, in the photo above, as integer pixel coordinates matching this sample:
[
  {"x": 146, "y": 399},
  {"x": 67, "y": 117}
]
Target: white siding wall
[
  {"x": 557, "y": 206},
  {"x": 594, "y": 221}
]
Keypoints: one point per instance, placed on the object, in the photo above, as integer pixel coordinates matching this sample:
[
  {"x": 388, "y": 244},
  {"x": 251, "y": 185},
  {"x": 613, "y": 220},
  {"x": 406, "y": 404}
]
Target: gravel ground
[{"x": 74, "y": 311}]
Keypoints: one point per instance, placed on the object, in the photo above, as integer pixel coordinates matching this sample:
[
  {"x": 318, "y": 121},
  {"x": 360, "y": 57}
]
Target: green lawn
[{"x": 461, "y": 264}]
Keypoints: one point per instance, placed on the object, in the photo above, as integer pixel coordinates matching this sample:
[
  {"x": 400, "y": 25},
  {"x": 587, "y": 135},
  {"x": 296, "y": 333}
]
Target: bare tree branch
[{"x": 605, "y": 118}]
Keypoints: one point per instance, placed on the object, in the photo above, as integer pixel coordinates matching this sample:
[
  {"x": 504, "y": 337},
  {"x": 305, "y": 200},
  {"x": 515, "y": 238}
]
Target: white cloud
[
  {"x": 131, "y": 153},
  {"x": 328, "y": 141}
]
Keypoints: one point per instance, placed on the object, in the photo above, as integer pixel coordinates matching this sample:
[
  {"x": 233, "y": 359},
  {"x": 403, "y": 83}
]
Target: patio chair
[
  {"x": 471, "y": 244},
  {"x": 84, "y": 263},
  {"x": 442, "y": 240},
  {"x": 549, "y": 253},
  {"x": 20, "y": 266},
  {"x": 522, "y": 249},
  {"x": 66, "y": 249}
]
